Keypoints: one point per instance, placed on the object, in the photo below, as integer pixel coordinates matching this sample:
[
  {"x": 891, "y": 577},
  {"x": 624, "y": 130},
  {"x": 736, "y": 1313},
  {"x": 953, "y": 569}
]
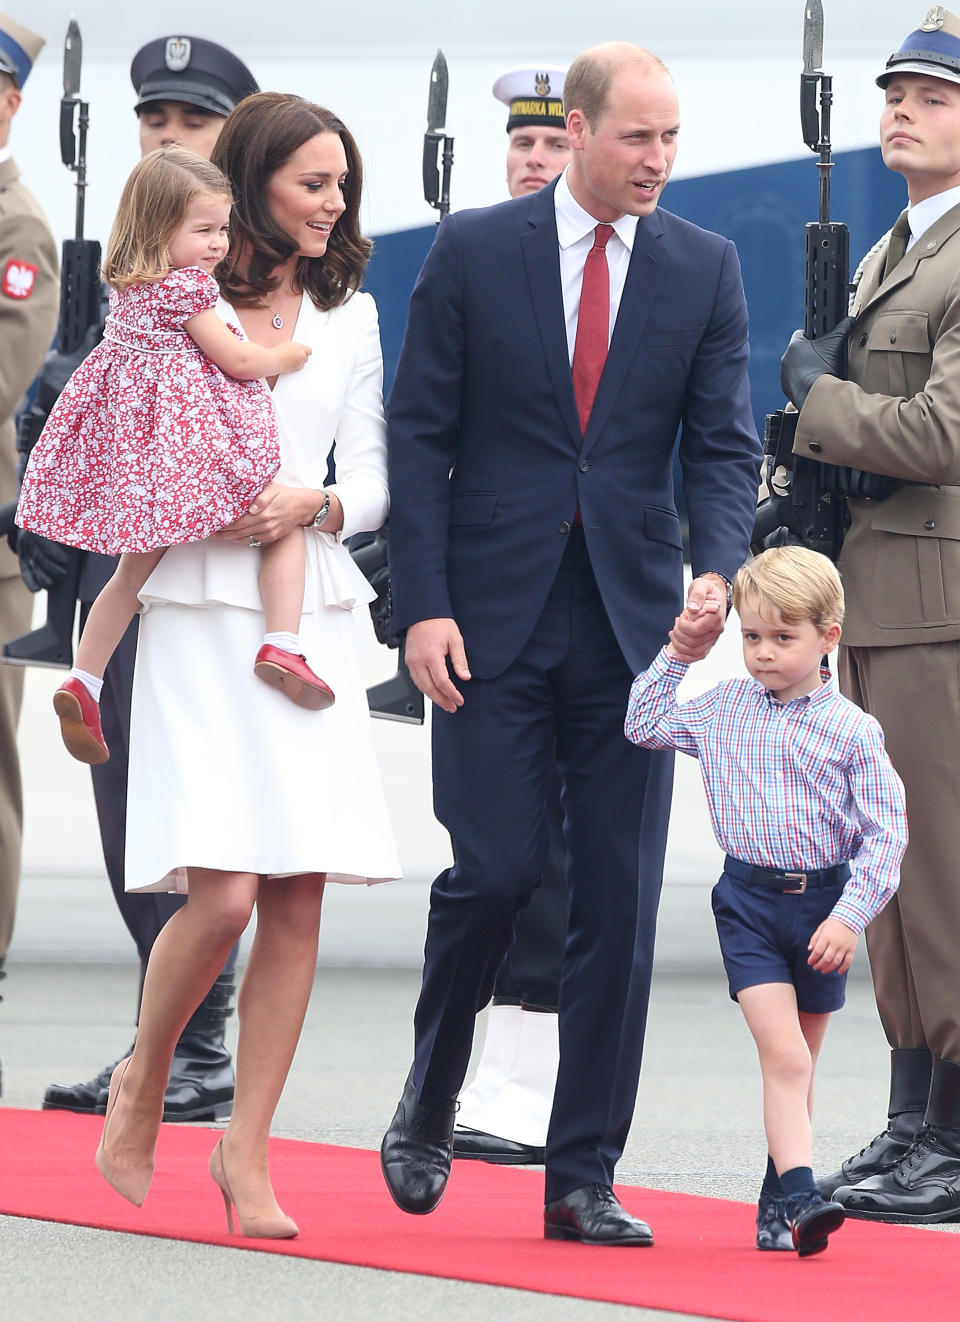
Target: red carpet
[{"x": 488, "y": 1229}]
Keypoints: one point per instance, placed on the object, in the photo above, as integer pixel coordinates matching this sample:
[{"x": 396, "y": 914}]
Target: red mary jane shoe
[
  {"x": 290, "y": 673},
  {"x": 80, "y": 722}
]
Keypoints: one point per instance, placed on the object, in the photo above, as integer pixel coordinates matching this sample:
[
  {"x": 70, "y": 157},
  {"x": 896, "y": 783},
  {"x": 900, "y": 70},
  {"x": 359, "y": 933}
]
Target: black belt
[{"x": 788, "y": 883}]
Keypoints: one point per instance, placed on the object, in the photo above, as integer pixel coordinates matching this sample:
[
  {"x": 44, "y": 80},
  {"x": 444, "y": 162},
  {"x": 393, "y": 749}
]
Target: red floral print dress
[{"x": 150, "y": 444}]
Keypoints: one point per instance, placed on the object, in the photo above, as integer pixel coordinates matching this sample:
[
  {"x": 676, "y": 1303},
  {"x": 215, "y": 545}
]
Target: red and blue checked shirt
[{"x": 797, "y": 785}]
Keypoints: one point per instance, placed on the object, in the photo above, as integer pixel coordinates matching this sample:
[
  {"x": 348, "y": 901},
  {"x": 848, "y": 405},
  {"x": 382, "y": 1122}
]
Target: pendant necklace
[{"x": 277, "y": 319}]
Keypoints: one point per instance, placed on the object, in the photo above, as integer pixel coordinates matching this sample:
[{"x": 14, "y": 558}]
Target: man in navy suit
[{"x": 555, "y": 345}]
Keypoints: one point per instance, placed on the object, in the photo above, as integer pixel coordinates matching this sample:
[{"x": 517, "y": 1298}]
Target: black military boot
[
  {"x": 924, "y": 1185},
  {"x": 88, "y": 1098},
  {"x": 201, "y": 1073},
  {"x": 910, "y": 1070}
]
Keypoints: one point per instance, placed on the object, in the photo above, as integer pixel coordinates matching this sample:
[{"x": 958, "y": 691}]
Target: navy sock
[
  {"x": 771, "y": 1180},
  {"x": 798, "y": 1180}
]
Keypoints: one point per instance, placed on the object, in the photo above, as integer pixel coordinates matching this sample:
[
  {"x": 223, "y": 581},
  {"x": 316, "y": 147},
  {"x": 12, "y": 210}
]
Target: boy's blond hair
[
  {"x": 801, "y": 584},
  {"x": 152, "y": 206}
]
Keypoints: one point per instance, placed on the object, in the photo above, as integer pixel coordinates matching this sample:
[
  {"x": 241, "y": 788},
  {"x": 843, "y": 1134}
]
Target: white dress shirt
[
  {"x": 576, "y": 231},
  {"x": 928, "y": 212}
]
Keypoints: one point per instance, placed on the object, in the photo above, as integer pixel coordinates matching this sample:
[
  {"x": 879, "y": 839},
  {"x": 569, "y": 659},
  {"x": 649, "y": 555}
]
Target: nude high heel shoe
[
  {"x": 254, "y": 1227},
  {"x": 131, "y": 1182}
]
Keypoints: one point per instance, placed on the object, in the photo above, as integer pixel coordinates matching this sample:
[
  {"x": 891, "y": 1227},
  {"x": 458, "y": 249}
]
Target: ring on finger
[{"x": 252, "y": 541}]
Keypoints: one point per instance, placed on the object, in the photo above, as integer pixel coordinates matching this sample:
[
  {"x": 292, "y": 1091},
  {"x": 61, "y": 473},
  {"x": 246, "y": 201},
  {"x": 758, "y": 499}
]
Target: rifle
[
  {"x": 805, "y": 504},
  {"x": 80, "y": 321},
  {"x": 398, "y": 698}
]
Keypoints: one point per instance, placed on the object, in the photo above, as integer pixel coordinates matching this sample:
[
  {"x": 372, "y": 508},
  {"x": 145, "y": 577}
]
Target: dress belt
[{"x": 788, "y": 883}]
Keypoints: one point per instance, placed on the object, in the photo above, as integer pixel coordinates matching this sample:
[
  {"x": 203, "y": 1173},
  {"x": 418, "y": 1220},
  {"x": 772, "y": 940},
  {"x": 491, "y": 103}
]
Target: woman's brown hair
[
  {"x": 258, "y": 137},
  {"x": 152, "y": 207}
]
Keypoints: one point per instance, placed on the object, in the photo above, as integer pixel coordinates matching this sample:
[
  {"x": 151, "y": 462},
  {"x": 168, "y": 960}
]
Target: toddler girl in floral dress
[{"x": 165, "y": 433}]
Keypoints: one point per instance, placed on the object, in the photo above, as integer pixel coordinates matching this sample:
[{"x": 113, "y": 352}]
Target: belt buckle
[{"x": 795, "y": 876}]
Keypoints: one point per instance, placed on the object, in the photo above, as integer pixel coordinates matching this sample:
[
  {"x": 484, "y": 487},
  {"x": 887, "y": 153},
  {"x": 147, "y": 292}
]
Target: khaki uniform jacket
[
  {"x": 27, "y": 325},
  {"x": 899, "y": 414}
]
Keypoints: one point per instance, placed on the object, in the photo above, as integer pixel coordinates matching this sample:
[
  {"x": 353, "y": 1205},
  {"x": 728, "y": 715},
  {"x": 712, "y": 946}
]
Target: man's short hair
[
  {"x": 587, "y": 84},
  {"x": 802, "y": 585}
]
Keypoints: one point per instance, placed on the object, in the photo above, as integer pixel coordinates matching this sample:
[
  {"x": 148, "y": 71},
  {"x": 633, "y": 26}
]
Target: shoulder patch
[{"x": 18, "y": 279}]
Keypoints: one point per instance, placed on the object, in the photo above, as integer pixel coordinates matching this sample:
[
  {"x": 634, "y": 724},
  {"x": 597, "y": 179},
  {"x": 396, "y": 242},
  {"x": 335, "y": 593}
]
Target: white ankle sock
[
  {"x": 89, "y": 682},
  {"x": 287, "y": 642}
]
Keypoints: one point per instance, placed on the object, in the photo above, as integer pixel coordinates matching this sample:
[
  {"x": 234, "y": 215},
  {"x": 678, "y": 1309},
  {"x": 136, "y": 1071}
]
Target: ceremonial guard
[
  {"x": 29, "y": 293},
  {"x": 504, "y": 1113},
  {"x": 185, "y": 87},
  {"x": 897, "y": 415}
]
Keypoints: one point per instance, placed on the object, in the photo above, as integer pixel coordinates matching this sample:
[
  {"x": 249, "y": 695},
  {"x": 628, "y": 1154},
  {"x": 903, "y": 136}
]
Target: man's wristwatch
[
  {"x": 320, "y": 518},
  {"x": 716, "y": 574}
]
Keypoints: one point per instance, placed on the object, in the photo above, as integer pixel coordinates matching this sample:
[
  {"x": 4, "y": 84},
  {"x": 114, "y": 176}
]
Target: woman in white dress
[{"x": 236, "y": 795}]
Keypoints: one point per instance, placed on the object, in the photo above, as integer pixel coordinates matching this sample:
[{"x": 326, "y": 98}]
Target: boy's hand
[
  {"x": 831, "y": 947},
  {"x": 696, "y": 630}
]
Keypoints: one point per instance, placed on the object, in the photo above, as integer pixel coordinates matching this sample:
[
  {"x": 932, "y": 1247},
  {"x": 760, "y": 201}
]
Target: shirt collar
[
  {"x": 827, "y": 690},
  {"x": 929, "y": 211},
  {"x": 5, "y": 154},
  {"x": 574, "y": 224}
]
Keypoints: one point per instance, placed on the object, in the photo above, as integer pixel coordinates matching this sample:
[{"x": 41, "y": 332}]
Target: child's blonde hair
[
  {"x": 799, "y": 583},
  {"x": 152, "y": 207}
]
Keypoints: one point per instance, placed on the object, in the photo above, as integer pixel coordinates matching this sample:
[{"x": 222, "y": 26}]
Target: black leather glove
[
  {"x": 42, "y": 563},
  {"x": 805, "y": 360}
]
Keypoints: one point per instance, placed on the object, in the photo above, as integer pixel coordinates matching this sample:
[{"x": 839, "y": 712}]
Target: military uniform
[
  {"x": 29, "y": 297},
  {"x": 898, "y": 414}
]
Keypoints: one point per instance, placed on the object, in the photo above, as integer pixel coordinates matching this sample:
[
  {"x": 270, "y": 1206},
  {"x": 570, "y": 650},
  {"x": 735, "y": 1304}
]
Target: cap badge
[
  {"x": 176, "y": 54},
  {"x": 936, "y": 16},
  {"x": 542, "y": 84}
]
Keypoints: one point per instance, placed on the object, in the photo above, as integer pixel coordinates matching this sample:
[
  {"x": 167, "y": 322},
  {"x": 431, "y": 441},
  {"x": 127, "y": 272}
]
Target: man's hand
[
  {"x": 831, "y": 947},
  {"x": 701, "y": 624},
  {"x": 429, "y": 643},
  {"x": 806, "y": 360},
  {"x": 42, "y": 563}
]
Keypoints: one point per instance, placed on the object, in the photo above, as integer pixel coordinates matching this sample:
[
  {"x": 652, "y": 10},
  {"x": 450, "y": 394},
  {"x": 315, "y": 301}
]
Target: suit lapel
[
  {"x": 541, "y": 255},
  {"x": 639, "y": 292}
]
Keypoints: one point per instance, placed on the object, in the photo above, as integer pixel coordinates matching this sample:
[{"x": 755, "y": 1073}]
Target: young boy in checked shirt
[{"x": 810, "y": 812}]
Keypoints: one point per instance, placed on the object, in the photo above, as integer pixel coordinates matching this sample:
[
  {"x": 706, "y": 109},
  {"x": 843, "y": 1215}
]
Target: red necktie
[{"x": 593, "y": 326}]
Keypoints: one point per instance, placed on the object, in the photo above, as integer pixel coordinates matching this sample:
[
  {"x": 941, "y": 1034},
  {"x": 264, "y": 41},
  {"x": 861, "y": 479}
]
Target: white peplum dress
[{"x": 226, "y": 772}]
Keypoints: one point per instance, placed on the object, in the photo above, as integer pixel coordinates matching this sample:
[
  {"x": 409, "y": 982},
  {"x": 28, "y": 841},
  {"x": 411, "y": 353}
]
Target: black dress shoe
[
  {"x": 881, "y": 1154},
  {"x": 475, "y": 1145},
  {"x": 812, "y": 1220},
  {"x": 773, "y": 1228},
  {"x": 923, "y": 1187},
  {"x": 416, "y": 1151},
  {"x": 88, "y": 1098},
  {"x": 593, "y": 1215}
]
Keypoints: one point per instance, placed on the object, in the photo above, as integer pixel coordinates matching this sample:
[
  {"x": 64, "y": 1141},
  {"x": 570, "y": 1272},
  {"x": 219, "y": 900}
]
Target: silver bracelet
[{"x": 320, "y": 518}]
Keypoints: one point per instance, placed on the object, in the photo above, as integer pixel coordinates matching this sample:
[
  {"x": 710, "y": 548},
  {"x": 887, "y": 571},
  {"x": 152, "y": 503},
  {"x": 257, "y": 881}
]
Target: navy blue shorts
[{"x": 764, "y": 936}]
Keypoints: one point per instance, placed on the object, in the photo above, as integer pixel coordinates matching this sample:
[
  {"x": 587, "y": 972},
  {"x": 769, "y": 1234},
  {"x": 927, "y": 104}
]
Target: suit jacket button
[
  {"x": 929, "y": 525},
  {"x": 815, "y": 446},
  {"x": 583, "y": 465},
  {"x": 893, "y": 337},
  {"x": 862, "y": 341},
  {"x": 563, "y": 527}
]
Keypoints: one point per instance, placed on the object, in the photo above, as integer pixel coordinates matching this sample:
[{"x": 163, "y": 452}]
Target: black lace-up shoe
[
  {"x": 880, "y": 1155},
  {"x": 773, "y": 1228},
  {"x": 416, "y": 1151},
  {"x": 923, "y": 1187},
  {"x": 812, "y": 1220},
  {"x": 593, "y": 1215}
]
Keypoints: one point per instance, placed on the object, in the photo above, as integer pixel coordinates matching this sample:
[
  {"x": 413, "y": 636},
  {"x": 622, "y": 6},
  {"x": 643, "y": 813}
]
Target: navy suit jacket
[{"x": 487, "y": 462}]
